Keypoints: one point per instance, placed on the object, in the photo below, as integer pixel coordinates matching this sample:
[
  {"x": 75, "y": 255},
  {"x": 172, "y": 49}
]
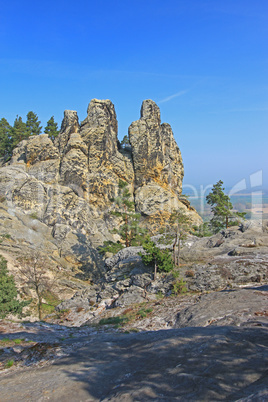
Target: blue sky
[{"x": 203, "y": 62}]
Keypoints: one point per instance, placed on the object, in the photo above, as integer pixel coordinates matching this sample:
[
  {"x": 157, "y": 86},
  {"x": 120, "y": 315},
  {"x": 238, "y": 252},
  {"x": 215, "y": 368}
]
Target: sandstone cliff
[{"x": 68, "y": 186}]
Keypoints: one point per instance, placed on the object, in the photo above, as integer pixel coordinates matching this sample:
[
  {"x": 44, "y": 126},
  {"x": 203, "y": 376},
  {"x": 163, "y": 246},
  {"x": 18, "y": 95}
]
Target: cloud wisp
[{"x": 168, "y": 98}]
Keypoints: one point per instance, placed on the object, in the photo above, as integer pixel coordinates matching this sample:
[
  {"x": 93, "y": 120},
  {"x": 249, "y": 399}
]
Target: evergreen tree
[
  {"x": 8, "y": 293},
  {"x": 125, "y": 142},
  {"x": 181, "y": 224},
  {"x": 221, "y": 208},
  {"x": 160, "y": 259},
  {"x": 5, "y": 139},
  {"x": 32, "y": 124},
  {"x": 130, "y": 231},
  {"x": 19, "y": 131},
  {"x": 51, "y": 129}
]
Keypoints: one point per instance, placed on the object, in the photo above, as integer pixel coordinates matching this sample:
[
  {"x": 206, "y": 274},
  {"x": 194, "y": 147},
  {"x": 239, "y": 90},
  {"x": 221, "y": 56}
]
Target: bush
[
  {"x": 178, "y": 287},
  {"x": 110, "y": 247},
  {"x": 8, "y": 293},
  {"x": 160, "y": 259}
]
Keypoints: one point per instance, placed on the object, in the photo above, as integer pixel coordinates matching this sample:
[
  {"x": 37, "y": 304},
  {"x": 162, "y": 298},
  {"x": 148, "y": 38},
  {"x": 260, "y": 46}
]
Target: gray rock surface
[
  {"x": 190, "y": 364},
  {"x": 69, "y": 185},
  {"x": 244, "y": 307}
]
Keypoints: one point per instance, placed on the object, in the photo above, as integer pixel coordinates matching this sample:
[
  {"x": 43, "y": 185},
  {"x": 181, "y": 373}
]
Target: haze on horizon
[{"x": 203, "y": 62}]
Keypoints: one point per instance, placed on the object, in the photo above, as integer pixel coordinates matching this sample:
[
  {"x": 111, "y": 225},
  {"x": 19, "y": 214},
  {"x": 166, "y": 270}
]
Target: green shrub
[
  {"x": 143, "y": 312},
  {"x": 179, "y": 287},
  {"x": 114, "y": 321},
  {"x": 8, "y": 293},
  {"x": 9, "y": 363},
  {"x": 34, "y": 215},
  {"x": 160, "y": 259},
  {"x": 110, "y": 247}
]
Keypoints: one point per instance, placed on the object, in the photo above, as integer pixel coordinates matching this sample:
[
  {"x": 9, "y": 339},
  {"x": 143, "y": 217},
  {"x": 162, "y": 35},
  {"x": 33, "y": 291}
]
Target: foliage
[
  {"x": 8, "y": 293},
  {"x": 143, "y": 312},
  {"x": 110, "y": 247},
  {"x": 11, "y": 136},
  {"x": 19, "y": 131},
  {"x": 179, "y": 286},
  {"x": 32, "y": 124},
  {"x": 160, "y": 259},
  {"x": 118, "y": 320},
  {"x": 51, "y": 129},
  {"x": 9, "y": 363},
  {"x": 125, "y": 142},
  {"x": 202, "y": 230},
  {"x": 130, "y": 231},
  {"x": 181, "y": 223},
  {"x": 34, "y": 269},
  {"x": 5, "y": 139},
  {"x": 221, "y": 208}
]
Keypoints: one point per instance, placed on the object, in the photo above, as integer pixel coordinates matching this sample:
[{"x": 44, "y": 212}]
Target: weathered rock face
[
  {"x": 157, "y": 162},
  {"x": 69, "y": 184},
  {"x": 156, "y": 156}
]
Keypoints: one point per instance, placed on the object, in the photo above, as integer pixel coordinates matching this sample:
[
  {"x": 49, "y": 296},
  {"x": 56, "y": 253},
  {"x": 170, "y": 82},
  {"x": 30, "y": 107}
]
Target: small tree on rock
[
  {"x": 32, "y": 124},
  {"x": 51, "y": 129},
  {"x": 221, "y": 207},
  {"x": 130, "y": 231},
  {"x": 34, "y": 269},
  {"x": 125, "y": 142},
  {"x": 161, "y": 260},
  {"x": 19, "y": 131},
  {"x": 181, "y": 223}
]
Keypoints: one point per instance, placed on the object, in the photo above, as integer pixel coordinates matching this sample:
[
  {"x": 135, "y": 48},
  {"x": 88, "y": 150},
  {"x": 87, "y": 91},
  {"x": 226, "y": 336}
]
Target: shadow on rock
[{"x": 189, "y": 364}]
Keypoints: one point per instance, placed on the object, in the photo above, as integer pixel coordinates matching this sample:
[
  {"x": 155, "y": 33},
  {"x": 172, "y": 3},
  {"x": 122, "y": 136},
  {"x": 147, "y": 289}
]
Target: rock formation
[
  {"x": 157, "y": 162},
  {"x": 68, "y": 185}
]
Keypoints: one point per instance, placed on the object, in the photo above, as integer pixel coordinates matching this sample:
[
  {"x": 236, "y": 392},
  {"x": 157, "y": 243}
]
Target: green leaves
[
  {"x": 32, "y": 124},
  {"x": 8, "y": 293},
  {"x": 51, "y": 129},
  {"x": 162, "y": 259},
  {"x": 11, "y": 136},
  {"x": 5, "y": 139},
  {"x": 221, "y": 207},
  {"x": 130, "y": 231}
]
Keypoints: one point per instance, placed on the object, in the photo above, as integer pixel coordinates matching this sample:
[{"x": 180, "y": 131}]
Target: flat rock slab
[
  {"x": 190, "y": 364},
  {"x": 244, "y": 307}
]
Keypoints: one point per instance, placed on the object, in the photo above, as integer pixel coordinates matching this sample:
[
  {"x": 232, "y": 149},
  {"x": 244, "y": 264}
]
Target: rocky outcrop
[
  {"x": 157, "y": 163},
  {"x": 69, "y": 185}
]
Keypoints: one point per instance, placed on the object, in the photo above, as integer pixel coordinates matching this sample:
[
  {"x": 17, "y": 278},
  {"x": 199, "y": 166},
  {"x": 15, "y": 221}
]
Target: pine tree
[
  {"x": 221, "y": 208},
  {"x": 19, "y": 131},
  {"x": 181, "y": 224},
  {"x": 125, "y": 141},
  {"x": 51, "y": 129},
  {"x": 160, "y": 259},
  {"x": 130, "y": 231},
  {"x": 32, "y": 124},
  {"x": 8, "y": 293},
  {"x": 5, "y": 139}
]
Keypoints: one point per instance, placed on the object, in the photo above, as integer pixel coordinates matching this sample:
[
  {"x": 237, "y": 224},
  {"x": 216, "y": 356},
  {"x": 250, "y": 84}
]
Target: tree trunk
[
  {"x": 39, "y": 305},
  {"x": 178, "y": 253},
  {"x": 155, "y": 269},
  {"x": 126, "y": 232},
  {"x": 174, "y": 249}
]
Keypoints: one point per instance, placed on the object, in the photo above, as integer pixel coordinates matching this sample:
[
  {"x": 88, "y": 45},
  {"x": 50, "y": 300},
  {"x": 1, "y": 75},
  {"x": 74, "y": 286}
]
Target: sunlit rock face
[
  {"x": 157, "y": 162},
  {"x": 70, "y": 184}
]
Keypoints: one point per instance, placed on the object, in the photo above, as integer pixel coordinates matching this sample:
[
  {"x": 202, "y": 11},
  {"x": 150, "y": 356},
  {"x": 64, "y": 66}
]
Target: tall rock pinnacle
[{"x": 157, "y": 162}]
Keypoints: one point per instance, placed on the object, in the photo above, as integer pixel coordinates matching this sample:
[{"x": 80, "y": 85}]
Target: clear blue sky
[{"x": 203, "y": 62}]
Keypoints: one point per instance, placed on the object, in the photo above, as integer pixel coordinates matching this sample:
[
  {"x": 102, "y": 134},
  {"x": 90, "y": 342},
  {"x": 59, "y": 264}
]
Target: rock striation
[
  {"x": 157, "y": 162},
  {"x": 68, "y": 185}
]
